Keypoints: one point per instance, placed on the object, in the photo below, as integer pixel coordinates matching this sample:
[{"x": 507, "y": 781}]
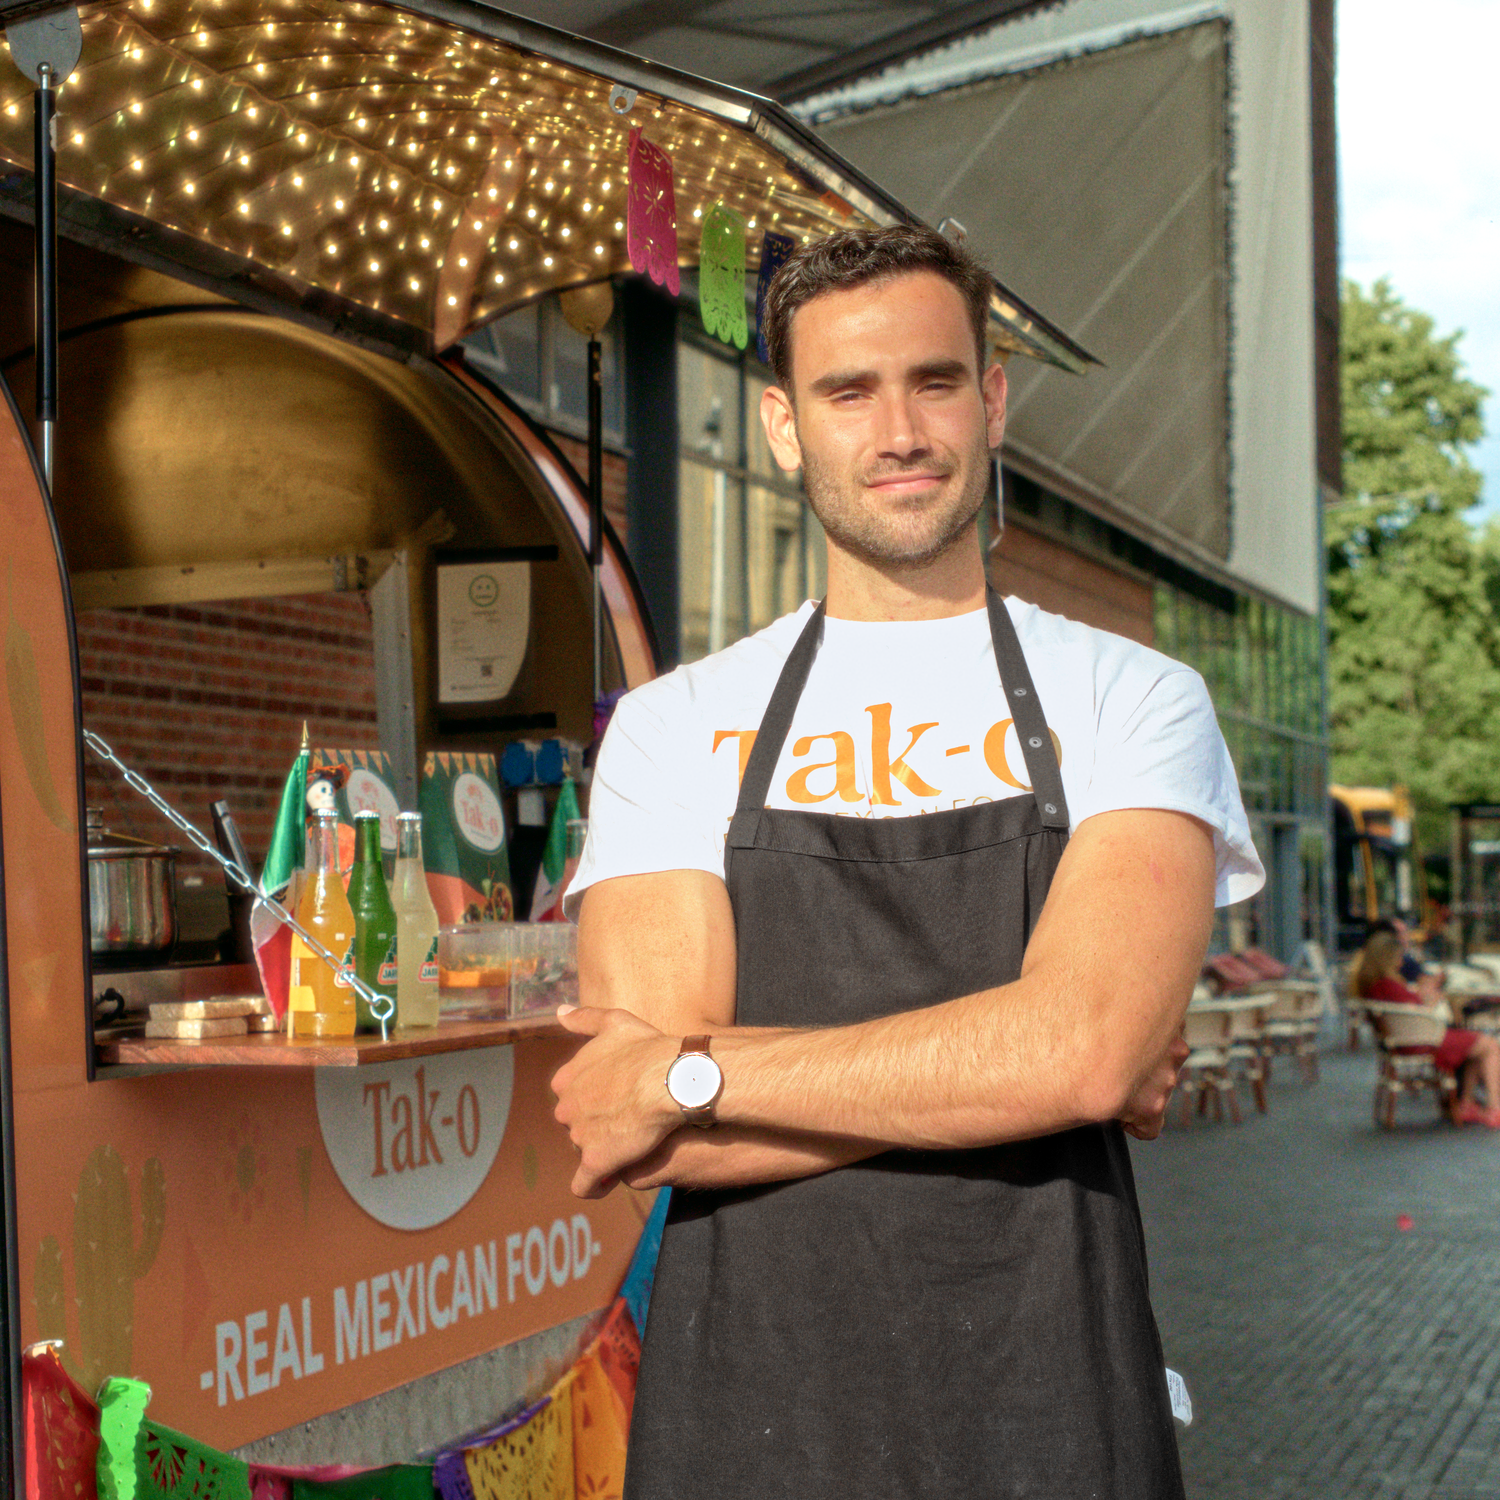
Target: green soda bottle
[{"x": 374, "y": 920}]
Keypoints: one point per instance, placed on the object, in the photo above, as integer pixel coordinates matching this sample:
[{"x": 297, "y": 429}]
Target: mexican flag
[
  {"x": 552, "y": 879},
  {"x": 281, "y": 879}
]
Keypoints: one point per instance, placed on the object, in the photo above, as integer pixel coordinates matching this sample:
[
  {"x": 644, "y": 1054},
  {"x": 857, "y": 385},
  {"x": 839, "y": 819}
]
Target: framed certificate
[{"x": 483, "y": 623}]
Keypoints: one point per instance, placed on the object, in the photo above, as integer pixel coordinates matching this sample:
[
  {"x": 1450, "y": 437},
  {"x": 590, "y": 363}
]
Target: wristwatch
[{"x": 695, "y": 1081}]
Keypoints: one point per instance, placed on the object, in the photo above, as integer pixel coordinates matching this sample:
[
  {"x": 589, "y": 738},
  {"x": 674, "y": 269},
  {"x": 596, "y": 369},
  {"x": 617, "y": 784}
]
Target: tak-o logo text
[
  {"x": 413, "y": 1140},
  {"x": 836, "y": 753}
]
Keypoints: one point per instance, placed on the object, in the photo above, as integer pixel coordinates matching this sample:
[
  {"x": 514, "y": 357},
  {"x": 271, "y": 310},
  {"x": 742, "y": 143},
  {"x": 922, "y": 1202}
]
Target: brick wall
[
  {"x": 208, "y": 700},
  {"x": 1054, "y": 577}
]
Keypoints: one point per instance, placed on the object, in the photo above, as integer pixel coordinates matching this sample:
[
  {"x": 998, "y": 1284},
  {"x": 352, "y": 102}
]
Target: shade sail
[
  {"x": 421, "y": 168},
  {"x": 1101, "y": 177}
]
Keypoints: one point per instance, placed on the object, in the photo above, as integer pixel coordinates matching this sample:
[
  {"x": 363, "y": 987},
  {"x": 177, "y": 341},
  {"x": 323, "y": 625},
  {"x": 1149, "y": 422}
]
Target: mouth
[{"x": 906, "y": 484}]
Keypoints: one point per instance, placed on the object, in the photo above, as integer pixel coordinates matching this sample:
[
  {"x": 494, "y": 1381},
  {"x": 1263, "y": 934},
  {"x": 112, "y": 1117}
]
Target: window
[
  {"x": 750, "y": 549},
  {"x": 537, "y": 358},
  {"x": 1263, "y": 667}
]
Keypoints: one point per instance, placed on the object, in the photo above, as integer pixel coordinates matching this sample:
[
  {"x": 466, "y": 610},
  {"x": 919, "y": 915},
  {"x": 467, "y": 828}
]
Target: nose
[{"x": 898, "y": 430}]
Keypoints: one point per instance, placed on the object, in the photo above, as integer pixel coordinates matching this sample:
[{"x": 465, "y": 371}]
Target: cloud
[{"x": 1419, "y": 169}]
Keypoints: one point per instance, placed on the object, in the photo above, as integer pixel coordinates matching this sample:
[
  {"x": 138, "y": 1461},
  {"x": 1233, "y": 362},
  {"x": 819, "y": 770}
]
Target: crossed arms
[{"x": 1088, "y": 1033}]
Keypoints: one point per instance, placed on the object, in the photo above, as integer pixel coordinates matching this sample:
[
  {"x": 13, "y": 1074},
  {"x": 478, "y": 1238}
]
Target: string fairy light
[{"x": 280, "y": 92}]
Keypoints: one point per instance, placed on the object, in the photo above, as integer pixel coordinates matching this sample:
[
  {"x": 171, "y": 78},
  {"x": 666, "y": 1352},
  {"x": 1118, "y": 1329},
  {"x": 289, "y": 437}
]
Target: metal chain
[{"x": 382, "y": 1007}]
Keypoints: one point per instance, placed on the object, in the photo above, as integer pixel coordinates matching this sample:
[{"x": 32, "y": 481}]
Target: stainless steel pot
[{"x": 132, "y": 896}]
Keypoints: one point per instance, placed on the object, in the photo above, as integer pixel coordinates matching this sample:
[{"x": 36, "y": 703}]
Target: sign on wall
[{"x": 463, "y": 837}]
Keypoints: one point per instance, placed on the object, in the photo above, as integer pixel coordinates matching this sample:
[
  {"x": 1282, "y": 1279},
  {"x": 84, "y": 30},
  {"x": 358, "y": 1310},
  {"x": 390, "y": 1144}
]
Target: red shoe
[
  {"x": 1471, "y": 1114},
  {"x": 1490, "y": 1117}
]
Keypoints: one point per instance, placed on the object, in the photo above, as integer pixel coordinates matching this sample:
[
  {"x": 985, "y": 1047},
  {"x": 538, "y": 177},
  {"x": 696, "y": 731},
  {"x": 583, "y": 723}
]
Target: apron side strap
[
  {"x": 777, "y": 723},
  {"x": 1026, "y": 710}
]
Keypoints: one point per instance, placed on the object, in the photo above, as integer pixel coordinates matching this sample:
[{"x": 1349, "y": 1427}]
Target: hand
[
  {"x": 1148, "y": 1105},
  {"x": 611, "y": 1094}
]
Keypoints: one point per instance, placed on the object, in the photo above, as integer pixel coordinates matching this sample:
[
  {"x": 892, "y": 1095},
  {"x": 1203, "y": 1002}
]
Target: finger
[
  {"x": 589, "y": 1184},
  {"x": 582, "y": 1020}
]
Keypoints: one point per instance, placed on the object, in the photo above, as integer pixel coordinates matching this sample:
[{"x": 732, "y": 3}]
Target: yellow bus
[{"x": 1377, "y": 866}]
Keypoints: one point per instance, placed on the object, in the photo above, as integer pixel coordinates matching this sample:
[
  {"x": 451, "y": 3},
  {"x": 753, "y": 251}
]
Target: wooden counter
[{"x": 126, "y": 1055}]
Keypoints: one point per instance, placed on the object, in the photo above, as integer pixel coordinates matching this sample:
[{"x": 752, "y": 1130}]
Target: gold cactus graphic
[{"x": 106, "y": 1264}]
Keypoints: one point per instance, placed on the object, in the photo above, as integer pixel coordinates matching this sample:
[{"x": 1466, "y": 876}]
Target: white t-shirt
[{"x": 905, "y": 718}]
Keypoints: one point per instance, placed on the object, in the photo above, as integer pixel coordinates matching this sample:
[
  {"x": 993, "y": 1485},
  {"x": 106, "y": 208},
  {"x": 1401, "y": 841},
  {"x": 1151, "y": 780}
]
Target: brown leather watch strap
[{"x": 693, "y": 1044}]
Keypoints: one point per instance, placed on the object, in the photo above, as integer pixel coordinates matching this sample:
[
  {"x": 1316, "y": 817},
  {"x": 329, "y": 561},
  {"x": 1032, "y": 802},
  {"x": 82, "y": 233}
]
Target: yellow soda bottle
[{"x": 322, "y": 1001}]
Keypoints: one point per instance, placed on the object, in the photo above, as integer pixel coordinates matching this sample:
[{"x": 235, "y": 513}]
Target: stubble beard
[{"x": 907, "y": 536}]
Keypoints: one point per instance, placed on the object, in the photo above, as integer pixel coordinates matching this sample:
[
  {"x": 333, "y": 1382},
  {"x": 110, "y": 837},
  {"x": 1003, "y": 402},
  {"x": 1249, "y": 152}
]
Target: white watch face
[{"x": 693, "y": 1080}]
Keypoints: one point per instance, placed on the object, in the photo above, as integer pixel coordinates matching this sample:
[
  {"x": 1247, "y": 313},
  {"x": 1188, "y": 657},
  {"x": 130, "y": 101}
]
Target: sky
[{"x": 1419, "y": 175}]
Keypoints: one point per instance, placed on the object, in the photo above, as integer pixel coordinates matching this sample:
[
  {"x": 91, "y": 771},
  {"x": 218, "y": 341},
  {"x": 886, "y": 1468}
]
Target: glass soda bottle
[
  {"x": 321, "y": 1001},
  {"x": 416, "y": 929},
  {"x": 374, "y": 920}
]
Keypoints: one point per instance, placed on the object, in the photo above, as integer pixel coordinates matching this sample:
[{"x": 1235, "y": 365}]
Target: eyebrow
[{"x": 839, "y": 380}]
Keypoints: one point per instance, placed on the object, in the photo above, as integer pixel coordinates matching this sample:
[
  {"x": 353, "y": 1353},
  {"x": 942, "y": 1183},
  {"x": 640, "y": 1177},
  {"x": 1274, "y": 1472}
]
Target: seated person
[
  {"x": 1470, "y": 1054},
  {"x": 1428, "y": 985}
]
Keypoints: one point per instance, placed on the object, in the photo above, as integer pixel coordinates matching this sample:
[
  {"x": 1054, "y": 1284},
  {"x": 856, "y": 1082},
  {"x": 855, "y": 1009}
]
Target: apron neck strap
[
  {"x": 755, "y": 785},
  {"x": 1015, "y": 681},
  {"x": 1026, "y": 711}
]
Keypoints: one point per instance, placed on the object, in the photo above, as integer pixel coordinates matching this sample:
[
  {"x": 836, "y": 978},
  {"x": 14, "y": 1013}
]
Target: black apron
[{"x": 959, "y": 1325}]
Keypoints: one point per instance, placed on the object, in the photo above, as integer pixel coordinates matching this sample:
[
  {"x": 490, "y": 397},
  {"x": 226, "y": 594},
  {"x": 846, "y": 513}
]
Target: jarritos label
[{"x": 463, "y": 838}]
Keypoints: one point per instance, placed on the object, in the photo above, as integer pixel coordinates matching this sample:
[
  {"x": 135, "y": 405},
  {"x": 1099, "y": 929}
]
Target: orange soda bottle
[{"x": 321, "y": 1001}]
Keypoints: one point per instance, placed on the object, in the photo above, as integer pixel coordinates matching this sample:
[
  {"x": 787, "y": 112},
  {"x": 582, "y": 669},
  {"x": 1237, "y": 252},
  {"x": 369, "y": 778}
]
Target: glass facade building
[
  {"x": 749, "y": 549},
  {"x": 1263, "y": 664}
]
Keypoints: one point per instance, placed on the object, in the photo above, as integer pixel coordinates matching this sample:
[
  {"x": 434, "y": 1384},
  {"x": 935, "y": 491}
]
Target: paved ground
[{"x": 1330, "y": 1355}]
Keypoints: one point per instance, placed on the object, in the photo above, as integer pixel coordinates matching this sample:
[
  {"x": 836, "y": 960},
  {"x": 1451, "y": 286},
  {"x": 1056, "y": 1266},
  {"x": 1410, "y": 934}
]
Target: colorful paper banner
[
  {"x": 651, "y": 214},
  {"x": 570, "y": 1445},
  {"x": 775, "y": 251},
  {"x": 721, "y": 276}
]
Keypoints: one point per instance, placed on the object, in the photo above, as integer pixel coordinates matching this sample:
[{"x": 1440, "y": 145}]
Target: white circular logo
[
  {"x": 413, "y": 1140},
  {"x": 477, "y": 812},
  {"x": 367, "y": 792}
]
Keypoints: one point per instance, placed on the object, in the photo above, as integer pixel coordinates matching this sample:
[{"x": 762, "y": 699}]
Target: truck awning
[{"x": 409, "y": 173}]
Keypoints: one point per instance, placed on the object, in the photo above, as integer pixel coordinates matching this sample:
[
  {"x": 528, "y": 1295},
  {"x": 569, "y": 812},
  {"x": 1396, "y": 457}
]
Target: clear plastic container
[
  {"x": 543, "y": 967},
  {"x": 474, "y": 968}
]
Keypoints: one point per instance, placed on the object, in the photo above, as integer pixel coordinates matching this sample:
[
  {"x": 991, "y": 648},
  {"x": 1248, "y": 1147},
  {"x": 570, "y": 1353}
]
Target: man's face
[{"x": 892, "y": 423}]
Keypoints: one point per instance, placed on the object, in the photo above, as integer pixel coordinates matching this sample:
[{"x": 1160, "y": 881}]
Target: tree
[{"x": 1413, "y": 593}]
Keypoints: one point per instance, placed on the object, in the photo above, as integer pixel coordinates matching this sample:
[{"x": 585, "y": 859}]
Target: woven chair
[
  {"x": 1409, "y": 1036},
  {"x": 1293, "y": 1016},
  {"x": 1205, "y": 1073},
  {"x": 1247, "y": 1050},
  {"x": 1295, "y": 1005}
]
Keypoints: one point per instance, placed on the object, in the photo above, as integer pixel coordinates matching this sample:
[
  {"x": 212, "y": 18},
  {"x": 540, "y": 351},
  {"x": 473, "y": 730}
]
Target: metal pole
[
  {"x": 596, "y": 503},
  {"x": 44, "y": 163}
]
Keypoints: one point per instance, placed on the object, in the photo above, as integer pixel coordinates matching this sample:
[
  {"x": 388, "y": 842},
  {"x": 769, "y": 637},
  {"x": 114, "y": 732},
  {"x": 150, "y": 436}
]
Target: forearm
[
  {"x": 1005, "y": 1064},
  {"x": 738, "y": 1156},
  {"x": 1085, "y": 1033}
]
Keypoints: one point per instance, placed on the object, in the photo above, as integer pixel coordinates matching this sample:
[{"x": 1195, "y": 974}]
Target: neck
[{"x": 948, "y": 585}]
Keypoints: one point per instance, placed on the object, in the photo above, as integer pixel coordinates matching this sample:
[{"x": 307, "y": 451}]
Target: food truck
[{"x": 275, "y": 221}]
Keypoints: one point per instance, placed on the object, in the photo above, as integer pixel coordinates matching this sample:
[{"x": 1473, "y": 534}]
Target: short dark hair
[{"x": 856, "y": 257}]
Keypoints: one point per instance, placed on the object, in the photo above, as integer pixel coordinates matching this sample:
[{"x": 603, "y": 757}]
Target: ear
[
  {"x": 992, "y": 386},
  {"x": 780, "y": 422}
]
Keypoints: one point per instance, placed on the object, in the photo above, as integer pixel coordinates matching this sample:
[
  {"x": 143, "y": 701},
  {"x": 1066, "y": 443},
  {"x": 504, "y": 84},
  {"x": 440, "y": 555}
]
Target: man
[{"x": 907, "y": 1260}]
